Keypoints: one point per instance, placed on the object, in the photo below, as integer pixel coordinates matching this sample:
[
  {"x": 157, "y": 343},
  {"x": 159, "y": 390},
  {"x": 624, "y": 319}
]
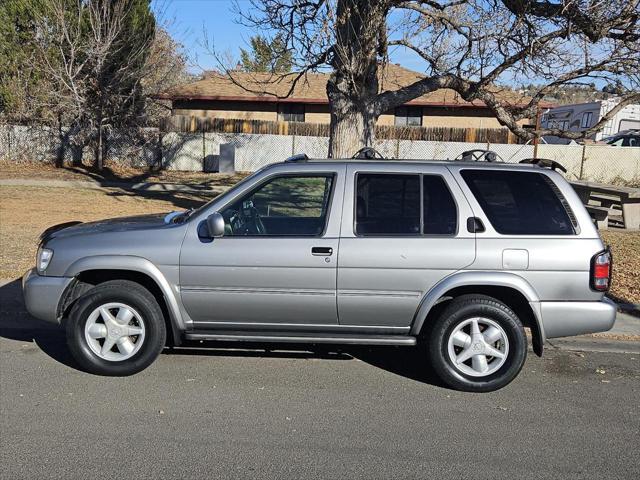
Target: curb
[{"x": 597, "y": 344}]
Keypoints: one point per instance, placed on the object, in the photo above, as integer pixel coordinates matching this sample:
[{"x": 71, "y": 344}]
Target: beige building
[{"x": 263, "y": 96}]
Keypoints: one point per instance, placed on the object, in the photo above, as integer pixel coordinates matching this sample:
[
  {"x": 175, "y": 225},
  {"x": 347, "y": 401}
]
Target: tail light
[{"x": 601, "y": 269}]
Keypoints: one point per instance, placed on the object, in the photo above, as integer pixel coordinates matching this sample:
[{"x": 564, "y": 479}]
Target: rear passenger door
[{"x": 402, "y": 232}]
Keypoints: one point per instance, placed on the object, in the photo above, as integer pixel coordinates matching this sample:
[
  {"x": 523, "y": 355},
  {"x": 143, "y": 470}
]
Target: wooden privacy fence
[{"x": 190, "y": 124}]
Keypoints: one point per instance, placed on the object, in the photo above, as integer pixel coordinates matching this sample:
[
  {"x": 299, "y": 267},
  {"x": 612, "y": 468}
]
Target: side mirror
[{"x": 215, "y": 225}]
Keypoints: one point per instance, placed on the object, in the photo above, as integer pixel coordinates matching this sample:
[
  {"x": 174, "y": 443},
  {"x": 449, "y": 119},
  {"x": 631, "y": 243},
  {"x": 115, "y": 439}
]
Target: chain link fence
[
  {"x": 201, "y": 151},
  {"x": 20, "y": 143}
]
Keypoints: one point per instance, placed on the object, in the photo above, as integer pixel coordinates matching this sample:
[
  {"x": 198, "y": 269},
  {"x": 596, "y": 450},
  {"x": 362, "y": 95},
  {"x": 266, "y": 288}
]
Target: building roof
[{"x": 268, "y": 87}]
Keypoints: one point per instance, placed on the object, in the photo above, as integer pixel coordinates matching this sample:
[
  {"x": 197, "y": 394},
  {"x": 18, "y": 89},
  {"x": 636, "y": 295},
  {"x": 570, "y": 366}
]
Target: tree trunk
[
  {"x": 62, "y": 144},
  {"x": 99, "y": 155},
  {"x": 350, "y": 129},
  {"x": 353, "y": 86}
]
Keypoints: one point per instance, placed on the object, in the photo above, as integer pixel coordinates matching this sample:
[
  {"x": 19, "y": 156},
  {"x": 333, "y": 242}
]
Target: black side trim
[{"x": 301, "y": 337}]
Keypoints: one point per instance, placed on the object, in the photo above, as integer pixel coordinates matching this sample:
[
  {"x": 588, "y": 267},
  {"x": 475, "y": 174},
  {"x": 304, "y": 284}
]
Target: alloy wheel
[
  {"x": 478, "y": 347},
  {"x": 114, "y": 331}
]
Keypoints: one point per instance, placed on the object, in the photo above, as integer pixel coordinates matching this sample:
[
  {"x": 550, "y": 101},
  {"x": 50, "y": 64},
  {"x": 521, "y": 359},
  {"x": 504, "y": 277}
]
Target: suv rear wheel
[
  {"x": 116, "y": 328},
  {"x": 477, "y": 344}
]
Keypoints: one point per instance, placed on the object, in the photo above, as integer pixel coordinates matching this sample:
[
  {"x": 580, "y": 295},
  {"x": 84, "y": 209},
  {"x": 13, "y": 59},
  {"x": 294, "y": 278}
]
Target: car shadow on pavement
[
  {"x": 17, "y": 324},
  {"x": 409, "y": 362}
]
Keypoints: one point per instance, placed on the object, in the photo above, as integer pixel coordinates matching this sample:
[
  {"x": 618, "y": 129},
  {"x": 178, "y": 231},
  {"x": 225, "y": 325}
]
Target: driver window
[{"x": 287, "y": 205}]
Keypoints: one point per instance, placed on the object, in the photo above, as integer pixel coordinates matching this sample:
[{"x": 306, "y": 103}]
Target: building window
[
  {"x": 559, "y": 124},
  {"x": 408, "y": 116},
  {"x": 291, "y": 112},
  {"x": 586, "y": 119}
]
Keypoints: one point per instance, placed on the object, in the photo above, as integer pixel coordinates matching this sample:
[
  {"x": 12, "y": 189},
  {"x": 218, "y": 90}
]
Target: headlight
[{"x": 43, "y": 259}]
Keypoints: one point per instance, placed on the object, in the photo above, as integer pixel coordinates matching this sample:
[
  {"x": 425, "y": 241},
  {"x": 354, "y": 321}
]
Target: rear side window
[
  {"x": 519, "y": 203},
  {"x": 388, "y": 204},
  {"x": 393, "y": 204}
]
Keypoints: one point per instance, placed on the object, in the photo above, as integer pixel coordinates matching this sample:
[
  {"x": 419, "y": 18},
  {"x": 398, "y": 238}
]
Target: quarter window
[
  {"x": 390, "y": 204},
  {"x": 520, "y": 203},
  {"x": 439, "y": 209},
  {"x": 289, "y": 205}
]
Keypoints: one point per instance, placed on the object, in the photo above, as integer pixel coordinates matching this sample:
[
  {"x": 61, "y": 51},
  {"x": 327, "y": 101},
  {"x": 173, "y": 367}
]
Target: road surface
[{"x": 367, "y": 413}]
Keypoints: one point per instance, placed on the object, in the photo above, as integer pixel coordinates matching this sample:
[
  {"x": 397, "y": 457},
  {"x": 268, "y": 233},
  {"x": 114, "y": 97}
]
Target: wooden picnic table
[{"x": 628, "y": 197}]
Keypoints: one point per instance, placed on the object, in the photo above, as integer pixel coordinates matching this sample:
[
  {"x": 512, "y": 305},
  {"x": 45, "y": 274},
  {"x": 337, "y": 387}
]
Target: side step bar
[{"x": 298, "y": 337}]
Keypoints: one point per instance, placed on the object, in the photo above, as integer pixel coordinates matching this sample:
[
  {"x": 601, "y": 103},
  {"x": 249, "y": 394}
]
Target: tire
[
  {"x": 470, "y": 324},
  {"x": 122, "y": 312}
]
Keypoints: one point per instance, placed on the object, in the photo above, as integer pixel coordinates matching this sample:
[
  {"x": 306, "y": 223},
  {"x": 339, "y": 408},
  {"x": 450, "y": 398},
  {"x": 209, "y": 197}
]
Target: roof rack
[
  {"x": 544, "y": 163},
  {"x": 367, "y": 153},
  {"x": 299, "y": 157},
  {"x": 479, "y": 154}
]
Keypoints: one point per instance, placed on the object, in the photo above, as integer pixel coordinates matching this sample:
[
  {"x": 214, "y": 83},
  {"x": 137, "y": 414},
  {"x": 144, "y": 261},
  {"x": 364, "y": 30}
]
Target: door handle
[{"x": 324, "y": 251}]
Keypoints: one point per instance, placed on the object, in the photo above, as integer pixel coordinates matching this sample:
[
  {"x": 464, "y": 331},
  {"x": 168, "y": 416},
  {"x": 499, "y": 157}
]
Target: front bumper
[
  {"x": 42, "y": 294},
  {"x": 566, "y": 319}
]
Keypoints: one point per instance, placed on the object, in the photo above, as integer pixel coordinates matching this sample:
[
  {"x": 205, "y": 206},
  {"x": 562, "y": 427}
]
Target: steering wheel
[
  {"x": 247, "y": 221},
  {"x": 477, "y": 155}
]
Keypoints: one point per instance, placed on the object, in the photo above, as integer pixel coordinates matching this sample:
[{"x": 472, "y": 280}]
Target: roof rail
[
  {"x": 300, "y": 157},
  {"x": 545, "y": 163}
]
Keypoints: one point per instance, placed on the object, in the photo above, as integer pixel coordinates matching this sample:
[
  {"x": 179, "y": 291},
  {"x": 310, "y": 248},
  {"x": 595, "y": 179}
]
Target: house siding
[{"x": 463, "y": 117}]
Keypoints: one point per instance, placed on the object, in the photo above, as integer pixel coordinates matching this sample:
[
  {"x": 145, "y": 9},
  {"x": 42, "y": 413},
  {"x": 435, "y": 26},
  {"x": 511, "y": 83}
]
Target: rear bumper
[
  {"x": 42, "y": 294},
  {"x": 566, "y": 319}
]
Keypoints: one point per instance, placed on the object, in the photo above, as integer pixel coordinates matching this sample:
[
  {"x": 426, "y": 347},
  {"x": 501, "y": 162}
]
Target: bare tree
[
  {"x": 94, "y": 55},
  {"x": 165, "y": 67},
  {"x": 479, "y": 48}
]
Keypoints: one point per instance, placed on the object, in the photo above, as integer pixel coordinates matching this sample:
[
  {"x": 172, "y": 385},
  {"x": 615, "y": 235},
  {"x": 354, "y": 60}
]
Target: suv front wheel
[
  {"x": 116, "y": 328},
  {"x": 477, "y": 344}
]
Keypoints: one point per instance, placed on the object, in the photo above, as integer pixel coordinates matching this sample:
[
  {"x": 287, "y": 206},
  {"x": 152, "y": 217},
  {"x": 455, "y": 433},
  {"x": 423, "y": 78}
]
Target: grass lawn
[{"x": 26, "y": 211}]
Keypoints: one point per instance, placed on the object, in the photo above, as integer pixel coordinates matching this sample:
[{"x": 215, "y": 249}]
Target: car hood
[{"x": 122, "y": 224}]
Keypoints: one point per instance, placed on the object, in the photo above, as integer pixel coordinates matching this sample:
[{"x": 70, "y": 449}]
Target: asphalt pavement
[{"x": 375, "y": 413}]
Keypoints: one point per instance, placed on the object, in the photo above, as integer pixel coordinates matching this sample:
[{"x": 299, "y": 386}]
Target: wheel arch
[
  {"x": 512, "y": 290},
  {"x": 90, "y": 271}
]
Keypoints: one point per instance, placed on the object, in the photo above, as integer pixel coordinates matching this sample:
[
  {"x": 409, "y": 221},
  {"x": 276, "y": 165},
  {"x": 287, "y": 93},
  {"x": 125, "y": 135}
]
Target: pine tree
[{"x": 266, "y": 56}]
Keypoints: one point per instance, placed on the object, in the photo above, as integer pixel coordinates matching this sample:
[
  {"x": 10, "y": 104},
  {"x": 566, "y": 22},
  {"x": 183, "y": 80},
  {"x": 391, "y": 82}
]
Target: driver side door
[{"x": 275, "y": 264}]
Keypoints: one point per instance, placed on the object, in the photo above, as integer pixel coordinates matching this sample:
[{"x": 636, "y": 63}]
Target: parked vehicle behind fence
[{"x": 458, "y": 257}]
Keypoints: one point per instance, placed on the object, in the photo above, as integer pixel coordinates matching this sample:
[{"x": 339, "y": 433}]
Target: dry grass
[
  {"x": 115, "y": 173},
  {"x": 26, "y": 211}
]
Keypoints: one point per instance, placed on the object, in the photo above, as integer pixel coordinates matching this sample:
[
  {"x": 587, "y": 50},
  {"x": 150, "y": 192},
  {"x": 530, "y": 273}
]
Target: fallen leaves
[{"x": 625, "y": 246}]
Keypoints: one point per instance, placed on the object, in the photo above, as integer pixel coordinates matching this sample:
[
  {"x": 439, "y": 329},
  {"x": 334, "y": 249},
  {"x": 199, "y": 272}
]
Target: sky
[{"x": 188, "y": 20}]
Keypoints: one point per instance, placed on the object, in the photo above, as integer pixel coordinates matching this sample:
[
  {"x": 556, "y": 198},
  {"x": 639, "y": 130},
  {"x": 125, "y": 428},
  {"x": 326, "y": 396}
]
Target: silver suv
[{"x": 457, "y": 256}]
